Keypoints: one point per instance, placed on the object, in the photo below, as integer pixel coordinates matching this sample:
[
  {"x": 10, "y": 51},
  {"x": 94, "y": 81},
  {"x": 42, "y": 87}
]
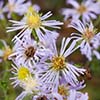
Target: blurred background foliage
[{"x": 92, "y": 76}]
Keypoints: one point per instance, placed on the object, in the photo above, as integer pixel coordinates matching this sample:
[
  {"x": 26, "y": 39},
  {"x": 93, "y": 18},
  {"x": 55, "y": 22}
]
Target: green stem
[
  {"x": 96, "y": 23},
  {"x": 35, "y": 35}
]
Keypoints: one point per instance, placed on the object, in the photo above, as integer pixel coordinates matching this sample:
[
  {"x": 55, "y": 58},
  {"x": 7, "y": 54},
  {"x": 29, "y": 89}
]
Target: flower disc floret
[
  {"x": 7, "y": 52},
  {"x": 58, "y": 63},
  {"x": 88, "y": 34},
  {"x": 82, "y": 9},
  {"x": 63, "y": 90},
  {"x": 33, "y": 19},
  {"x": 23, "y": 73}
]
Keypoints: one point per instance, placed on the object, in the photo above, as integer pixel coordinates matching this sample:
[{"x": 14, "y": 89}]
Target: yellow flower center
[
  {"x": 27, "y": 82},
  {"x": 82, "y": 9},
  {"x": 88, "y": 35},
  {"x": 23, "y": 73},
  {"x": 58, "y": 63},
  {"x": 63, "y": 90},
  {"x": 33, "y": 19},
  {"x": 7, "y": 52}
]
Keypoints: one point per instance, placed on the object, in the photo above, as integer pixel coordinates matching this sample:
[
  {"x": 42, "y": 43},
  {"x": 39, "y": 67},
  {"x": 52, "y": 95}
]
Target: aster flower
[
  {"x": 34, "y": 22},
  {"x": 55, "y": 68},
  {"x": 68, "y": 92},
  {"x": 65, "y": 92},
  {"x": 28, "y": 51},
  {"x": 88, "y": 37},
  {"x": 1, "y": 10},
  {"x": 16, "y": 6},
  {"x": 5, "y": 51},
  {"x": 87, "y": 10},
  {"x": 26, "y": 79},
  {"x": 71, "y": 95}
]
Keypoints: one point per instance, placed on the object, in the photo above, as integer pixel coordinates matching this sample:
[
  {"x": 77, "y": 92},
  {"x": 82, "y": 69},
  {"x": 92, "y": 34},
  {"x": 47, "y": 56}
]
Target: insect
[{"x": 88, "y": 73}]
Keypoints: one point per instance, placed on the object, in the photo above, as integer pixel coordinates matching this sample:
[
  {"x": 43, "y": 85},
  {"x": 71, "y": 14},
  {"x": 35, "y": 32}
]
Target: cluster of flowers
[
  {"x": 40, "y": 68},
  {"x": 88, "y": 37}
]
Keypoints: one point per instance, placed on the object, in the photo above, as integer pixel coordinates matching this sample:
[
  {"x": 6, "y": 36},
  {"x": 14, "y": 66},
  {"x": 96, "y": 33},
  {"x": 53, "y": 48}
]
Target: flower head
[
  {"x": 6, "y": 51},
  {"x": 33, "y": 21},
  {"x": 16, "y": 6},
  {"x": 88, "y": 37},
  {"x": 56, "y": 68},
  {"x": 26, "y": 79},
  {"x": 65, "y": 92},
  {"x": 87, "y": 10},
  {"x": 28, "y": 51},
  {"x": 68, "y": 92}
]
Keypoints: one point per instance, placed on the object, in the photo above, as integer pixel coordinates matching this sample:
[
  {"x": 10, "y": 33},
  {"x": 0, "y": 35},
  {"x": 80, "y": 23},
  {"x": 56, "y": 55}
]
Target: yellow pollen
[
  {"x": 23, "y": 73},
  {"x": 63, "y": 90},
  {"x": 88, "y": 35},
  {"x": 31, "y": 10},
  {"x": 58, "y": 63},
  {"x": 33, "y": 19},
  {"x": 7, "y": 52},
  {"x": 82, "y": 9}
]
